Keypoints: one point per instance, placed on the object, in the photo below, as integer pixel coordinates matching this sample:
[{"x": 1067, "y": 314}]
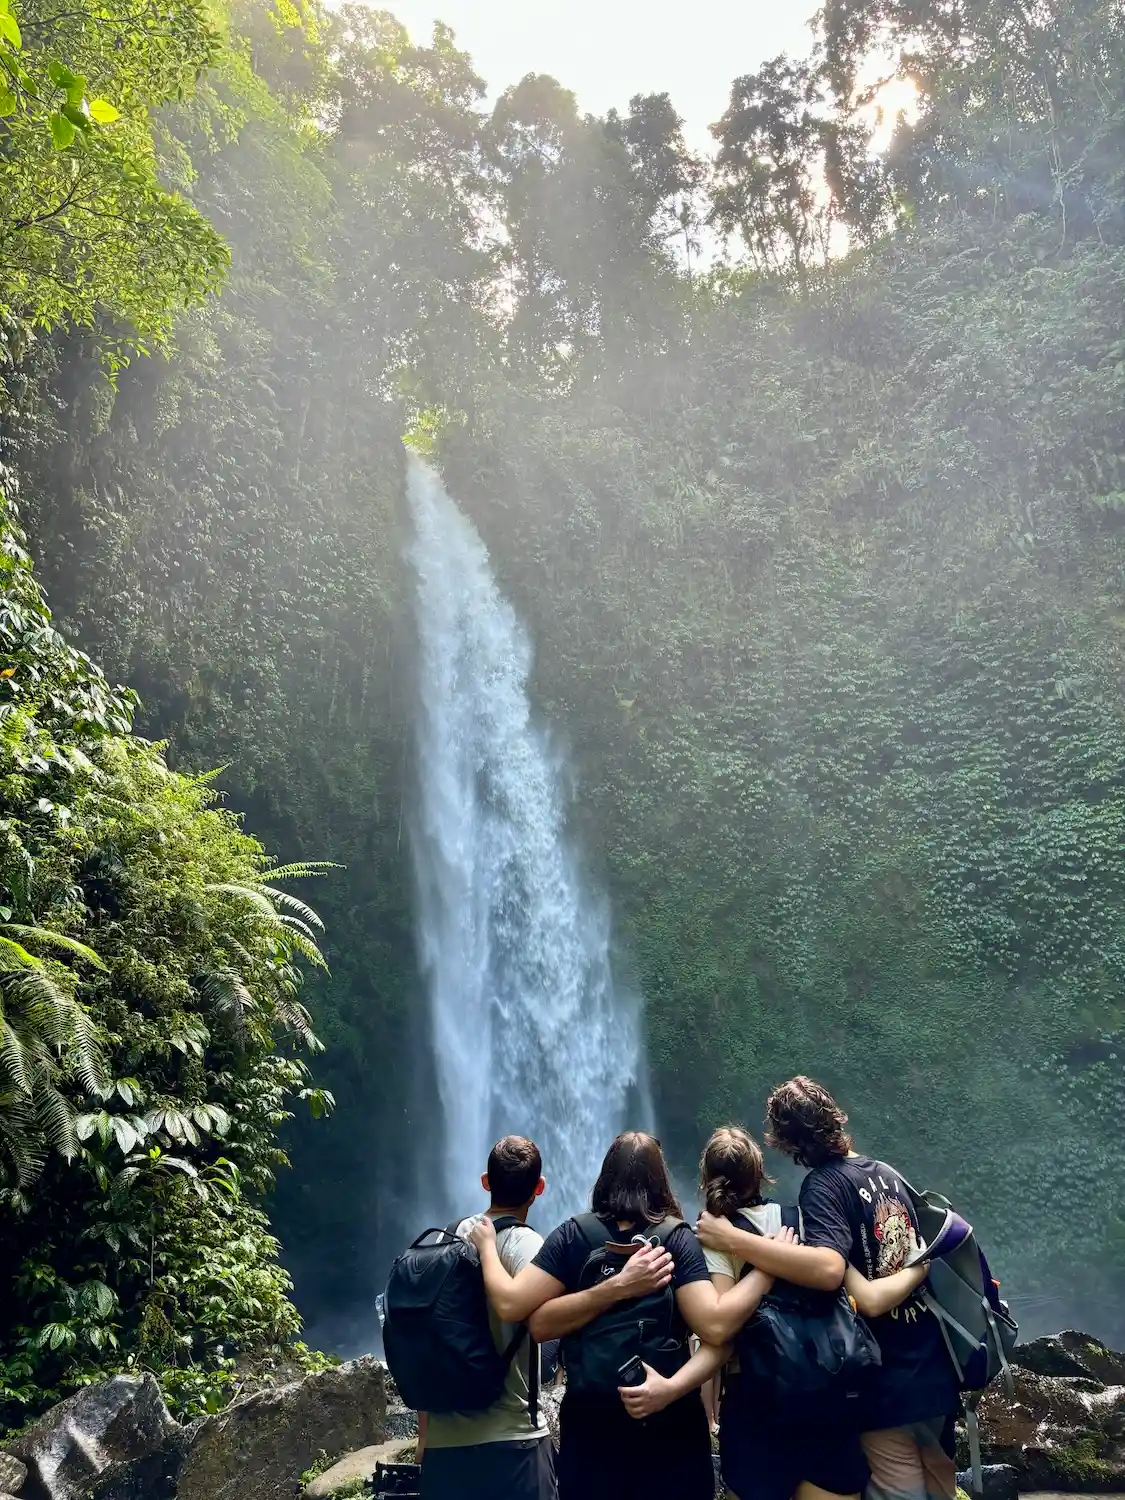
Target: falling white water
[{"x": 529, "y": 1033}]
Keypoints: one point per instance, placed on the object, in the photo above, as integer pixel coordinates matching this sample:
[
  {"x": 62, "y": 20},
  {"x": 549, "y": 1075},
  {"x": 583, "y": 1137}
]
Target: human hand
[
  {"x": 483, "y": 1233},
  {"x": 715, "y": 1232},
  {"x": 784, "y": 1236},
  {"x": 647, "y": 1270},
  {"x": 642, "y": 1401}
]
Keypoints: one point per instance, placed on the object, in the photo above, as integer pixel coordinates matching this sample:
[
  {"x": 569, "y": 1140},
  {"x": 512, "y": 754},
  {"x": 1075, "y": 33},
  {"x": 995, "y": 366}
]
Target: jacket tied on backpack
[{"x": 649, "y": 1327}]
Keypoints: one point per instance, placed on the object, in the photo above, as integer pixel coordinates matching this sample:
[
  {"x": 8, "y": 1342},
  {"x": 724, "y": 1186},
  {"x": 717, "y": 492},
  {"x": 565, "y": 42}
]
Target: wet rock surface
[
  {"x": 999, "y": 1482},
  {"x": 12, "y": 1474},
  {"x": 117, "y": 1441},
  {"x": 358, "y": 1466},
  {"x": 1063, "y": 1429},
  {"x": 258, "y": 1448},
  {"x": 1072, "y": 1353},
  {"x": 114, "y": 1423}
]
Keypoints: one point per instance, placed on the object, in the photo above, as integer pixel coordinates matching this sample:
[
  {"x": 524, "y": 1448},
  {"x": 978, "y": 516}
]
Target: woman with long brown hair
[{"x": 622, "y": 1286}]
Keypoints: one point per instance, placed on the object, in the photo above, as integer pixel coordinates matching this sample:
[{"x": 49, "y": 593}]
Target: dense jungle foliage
[{"x": 823, "y": 558}]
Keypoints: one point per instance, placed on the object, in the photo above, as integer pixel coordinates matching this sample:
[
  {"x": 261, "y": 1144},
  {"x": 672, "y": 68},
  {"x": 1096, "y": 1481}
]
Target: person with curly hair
[{"x": 858, "y": 1227}]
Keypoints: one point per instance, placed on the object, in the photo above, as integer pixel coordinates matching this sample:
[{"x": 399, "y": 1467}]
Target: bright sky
[{"x": 608, "y": 50}]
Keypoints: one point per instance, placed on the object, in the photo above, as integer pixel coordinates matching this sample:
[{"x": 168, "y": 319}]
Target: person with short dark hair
[
  {"x": 515, "y": 1171},
  {"x": 858, "y": 1227},
  {"x": 498, "y": 1454},
  {"x": 653, "y": 1436}
]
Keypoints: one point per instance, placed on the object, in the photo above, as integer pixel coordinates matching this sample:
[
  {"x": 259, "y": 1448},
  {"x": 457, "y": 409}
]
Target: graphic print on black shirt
[{"x": 859, "y": 1207}]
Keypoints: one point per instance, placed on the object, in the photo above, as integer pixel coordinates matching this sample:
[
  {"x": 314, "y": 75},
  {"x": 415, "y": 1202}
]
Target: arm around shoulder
[
  {"x": 874, "y": 1298},
  {"x": 804, "y": 1265},
  {"x": 513, "y": 1298}
]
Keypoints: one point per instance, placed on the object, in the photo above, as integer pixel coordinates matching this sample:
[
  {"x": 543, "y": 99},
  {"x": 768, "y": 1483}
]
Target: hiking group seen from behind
[{"x": 833, "y": 1344}]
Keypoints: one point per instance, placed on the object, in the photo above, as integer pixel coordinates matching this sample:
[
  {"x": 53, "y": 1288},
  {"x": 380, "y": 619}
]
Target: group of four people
[{"x": 857, "y": 1226}]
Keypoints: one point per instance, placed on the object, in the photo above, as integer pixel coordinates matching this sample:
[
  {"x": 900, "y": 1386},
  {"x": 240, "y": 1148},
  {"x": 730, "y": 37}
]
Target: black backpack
[
  {"x": 647, "y": 1326},
  {"x": 804, "y": 1351},
  {"x": 437, "y": 1338}
]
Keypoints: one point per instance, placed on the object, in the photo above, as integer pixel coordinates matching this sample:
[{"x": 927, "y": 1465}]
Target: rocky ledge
[
  {"x": 1063, "y": 1430},
  {"x": 116, "y": 1440},
  {"x": 1064, "y": 1427}
]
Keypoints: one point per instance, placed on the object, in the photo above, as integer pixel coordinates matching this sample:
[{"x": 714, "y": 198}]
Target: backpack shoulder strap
[
  {"x": 515, "y": 1343},
  {"x": 745, "y": 1222},
  {"x": 507, "y": 1221},
  {"x": 592, "y": 1230},
  {"x": 662, "y": 1231},
  {"x": 791, "y": 1217}
]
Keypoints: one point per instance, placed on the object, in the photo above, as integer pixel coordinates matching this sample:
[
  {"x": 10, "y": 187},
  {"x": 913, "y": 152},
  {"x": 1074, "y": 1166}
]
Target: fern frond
[
  {"x": 48, "y": 939},
  {"x": 21, "y": 1160},
  {"x": 247, "y": 893},
  {"x": 55, "y": 1116},
  {"x": 89, "y": 1059},
  {"x": 228, "y": 992},
  {"x": 293, "y": 903},
  {"x": 12, "y": 952},
  {"x": 303, "y": 870},
  {"x": 295, "y": 1018},
  {"x": 13, "y": 1060},
  {"x": 306, "y": 946}
]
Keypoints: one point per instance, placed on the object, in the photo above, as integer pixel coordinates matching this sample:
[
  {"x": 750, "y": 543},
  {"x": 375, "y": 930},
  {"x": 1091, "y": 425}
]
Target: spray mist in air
[{"x": 530, "y": 1034}]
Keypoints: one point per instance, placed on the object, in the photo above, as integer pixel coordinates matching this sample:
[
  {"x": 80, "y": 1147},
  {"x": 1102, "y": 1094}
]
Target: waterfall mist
[{"x": 529, "y": 1032}]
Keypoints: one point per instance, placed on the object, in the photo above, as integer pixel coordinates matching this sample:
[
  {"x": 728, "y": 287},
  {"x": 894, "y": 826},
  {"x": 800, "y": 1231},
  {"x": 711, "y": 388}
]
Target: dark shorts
[
  {"x": 490, "y": 1471},
  {"x": 763, "y": 1458},
  {"x": 604, "y": 1454}
]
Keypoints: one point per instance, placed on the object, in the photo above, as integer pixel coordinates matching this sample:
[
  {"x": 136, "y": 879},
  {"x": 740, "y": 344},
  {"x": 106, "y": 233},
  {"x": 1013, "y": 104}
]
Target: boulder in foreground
[
  {"x": 114, "y": 1423},
  {"x": 117, "y": 1441},
  {"x": 1064, "y": 1428}
]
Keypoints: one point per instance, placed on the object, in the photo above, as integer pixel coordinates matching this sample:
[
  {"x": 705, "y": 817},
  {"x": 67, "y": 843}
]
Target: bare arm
[
  {"x": 645, "y": 1271},
  {"x": 874, "y": 1298},
  {"x": 716, "y": 1317},
  {"x": 513, "y": 1298},
  {"x": 658, "y": 1392},
  {"x": 738, "y": 1300},
  {"x": 805, "y": 1265}
]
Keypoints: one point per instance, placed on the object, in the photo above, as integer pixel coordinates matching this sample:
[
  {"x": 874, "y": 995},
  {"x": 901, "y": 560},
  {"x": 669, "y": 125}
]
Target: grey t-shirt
[{"x": 508, "y": 1420}]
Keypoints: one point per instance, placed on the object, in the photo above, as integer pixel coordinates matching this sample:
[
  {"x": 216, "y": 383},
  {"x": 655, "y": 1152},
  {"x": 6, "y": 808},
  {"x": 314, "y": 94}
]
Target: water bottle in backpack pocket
[
  {"x": 437, "y": 1337},
  {"x": 647, "y": 1327},
  {"x": 804, "y": 1352}
]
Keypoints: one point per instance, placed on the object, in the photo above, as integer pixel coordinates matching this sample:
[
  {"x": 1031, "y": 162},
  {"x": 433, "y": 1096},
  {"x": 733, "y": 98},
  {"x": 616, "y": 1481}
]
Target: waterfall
[{"x": 530, "y": 1034}]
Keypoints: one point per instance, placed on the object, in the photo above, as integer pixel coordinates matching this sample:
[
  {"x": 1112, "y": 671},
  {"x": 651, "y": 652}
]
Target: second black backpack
[
  {"x": 646, "y": 1326},
  {"x": 437, "y": 1337},
  {"x": 803, "y": 1350}
]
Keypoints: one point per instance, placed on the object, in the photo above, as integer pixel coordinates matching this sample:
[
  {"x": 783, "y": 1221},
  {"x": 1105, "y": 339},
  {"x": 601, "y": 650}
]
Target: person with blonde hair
[{"x": 766, "y": 1453}]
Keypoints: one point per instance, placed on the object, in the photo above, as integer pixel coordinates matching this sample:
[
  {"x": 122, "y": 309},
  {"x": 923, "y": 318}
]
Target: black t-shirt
[
  {"x": 562, "y": 1255},
  {"x": 859, "y": 1207},
  {"x": 565, "y": 1251}
]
